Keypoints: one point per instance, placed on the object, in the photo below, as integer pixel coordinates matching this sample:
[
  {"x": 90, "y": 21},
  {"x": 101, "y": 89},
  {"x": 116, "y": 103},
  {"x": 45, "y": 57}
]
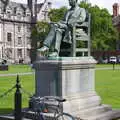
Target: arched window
[
  {"x": 8, "y": 11},
  {"x": 28, "y": 13},
  {"x": 19, "y": 12}
]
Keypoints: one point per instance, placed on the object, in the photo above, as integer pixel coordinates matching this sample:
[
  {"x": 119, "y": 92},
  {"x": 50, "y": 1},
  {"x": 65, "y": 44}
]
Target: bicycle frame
[{"x": 49, "y": 105}]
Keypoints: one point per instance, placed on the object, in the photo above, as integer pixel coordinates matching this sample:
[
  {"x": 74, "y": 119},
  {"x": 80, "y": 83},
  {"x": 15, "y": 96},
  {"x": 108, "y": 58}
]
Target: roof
[{"x": 15, "y": 5}]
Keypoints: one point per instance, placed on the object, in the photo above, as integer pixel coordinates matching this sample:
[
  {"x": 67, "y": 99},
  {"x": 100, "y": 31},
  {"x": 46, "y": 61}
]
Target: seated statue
[{"x": 61, "y": 31}]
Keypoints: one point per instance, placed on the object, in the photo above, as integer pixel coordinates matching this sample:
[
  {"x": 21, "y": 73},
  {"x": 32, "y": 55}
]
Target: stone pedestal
[{"x": 73, "y": 79}]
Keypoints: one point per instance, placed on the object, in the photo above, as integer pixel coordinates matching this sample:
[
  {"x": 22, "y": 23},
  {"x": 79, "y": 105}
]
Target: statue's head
[{"x": 73, "y": 2}]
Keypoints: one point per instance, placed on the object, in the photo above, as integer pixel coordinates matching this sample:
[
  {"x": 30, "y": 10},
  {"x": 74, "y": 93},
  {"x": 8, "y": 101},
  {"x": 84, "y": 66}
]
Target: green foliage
[
  {"x": 39, "y": 33},
  {"x": 103, "y": 34},
  {"x": 57, "y": 14},
  {"x": 42, "y": 30}
]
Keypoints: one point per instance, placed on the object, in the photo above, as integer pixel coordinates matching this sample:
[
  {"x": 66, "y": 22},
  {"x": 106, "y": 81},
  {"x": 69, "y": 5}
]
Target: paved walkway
[
  {"x": 10, "y": 118},
  {"x": 116, "y": 116},
  {"x": 108, "y": 68},
  {"x": 14, "y": 74},
  {"x": 30, "y": 73}
]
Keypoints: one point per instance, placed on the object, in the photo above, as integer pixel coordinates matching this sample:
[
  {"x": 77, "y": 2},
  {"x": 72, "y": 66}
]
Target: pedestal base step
[
  {"x": 103, "y": 112},
  {"x": 95, "y": 110}
]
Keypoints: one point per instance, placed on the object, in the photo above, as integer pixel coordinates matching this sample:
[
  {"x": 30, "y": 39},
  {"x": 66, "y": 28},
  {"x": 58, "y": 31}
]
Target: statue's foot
[
  {"x": 42, "y": 51},
  {"x": 53, "y": 54}
]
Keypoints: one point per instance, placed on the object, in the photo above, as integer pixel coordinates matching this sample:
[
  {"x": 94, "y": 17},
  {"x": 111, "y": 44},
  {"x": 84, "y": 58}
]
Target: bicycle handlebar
[{"x": 56, "y": 98}]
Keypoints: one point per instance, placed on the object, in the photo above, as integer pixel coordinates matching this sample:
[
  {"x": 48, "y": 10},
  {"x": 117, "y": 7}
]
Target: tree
[
  {"x": 103, "y": 34},
  {"x": 38, "y": 34},
  {"x": 57, "y": 14},
  {"x": 42, "y": 31}
]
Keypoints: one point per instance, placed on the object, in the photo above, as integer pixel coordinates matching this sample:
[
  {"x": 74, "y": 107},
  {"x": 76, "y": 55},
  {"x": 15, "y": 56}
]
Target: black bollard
[
  {"x": 18, "y": 101},
  {"x": 113, "y": 65}
]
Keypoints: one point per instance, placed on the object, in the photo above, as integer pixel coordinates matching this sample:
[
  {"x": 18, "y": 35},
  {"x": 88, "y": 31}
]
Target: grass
[
  {"x": 107, "y": 65},
  {"x": 107, "y": 86},
  {"x": 7, "y": 102},
  {"x": 17, "y": 69}
]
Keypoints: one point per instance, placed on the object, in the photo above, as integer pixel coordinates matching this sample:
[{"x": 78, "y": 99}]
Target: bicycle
[{"x": 49, "y": 108}]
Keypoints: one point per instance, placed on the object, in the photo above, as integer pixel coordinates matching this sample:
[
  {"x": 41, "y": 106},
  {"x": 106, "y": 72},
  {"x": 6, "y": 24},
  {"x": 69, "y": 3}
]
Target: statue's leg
[
  {"x": 50, "y": 37},
  {"x": 57, "y": 43},
  {"x": 43, "y": 51},
  {"x": 58, "y": 40}
]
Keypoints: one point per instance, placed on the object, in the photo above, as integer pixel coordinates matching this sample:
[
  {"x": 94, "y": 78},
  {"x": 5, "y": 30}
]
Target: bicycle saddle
[{"x": 59, "y": 99}]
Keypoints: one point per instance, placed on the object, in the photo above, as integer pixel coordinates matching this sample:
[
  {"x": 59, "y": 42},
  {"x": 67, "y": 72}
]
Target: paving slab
[{"x": 11, "y": 118}]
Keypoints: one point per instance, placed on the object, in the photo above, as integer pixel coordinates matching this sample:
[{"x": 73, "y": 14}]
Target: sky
[{"x": 101, "y": 3}]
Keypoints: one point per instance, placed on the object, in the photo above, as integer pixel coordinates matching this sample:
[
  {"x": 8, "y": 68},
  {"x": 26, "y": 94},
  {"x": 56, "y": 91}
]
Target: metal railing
[{"x": 17, "y": 98}]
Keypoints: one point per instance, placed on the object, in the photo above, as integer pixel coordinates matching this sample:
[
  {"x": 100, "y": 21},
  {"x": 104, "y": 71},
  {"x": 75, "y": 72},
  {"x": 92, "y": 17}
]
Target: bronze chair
[{"x": 80, "y": 38}]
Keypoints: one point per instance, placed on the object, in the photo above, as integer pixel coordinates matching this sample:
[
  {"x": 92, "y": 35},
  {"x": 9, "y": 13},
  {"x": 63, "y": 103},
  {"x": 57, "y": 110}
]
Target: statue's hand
[{"x": 62, "y": 25}]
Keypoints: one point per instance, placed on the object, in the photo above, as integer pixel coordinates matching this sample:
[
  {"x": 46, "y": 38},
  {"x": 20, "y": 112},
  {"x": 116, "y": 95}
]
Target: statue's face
[{"x": 72, "y": 3}]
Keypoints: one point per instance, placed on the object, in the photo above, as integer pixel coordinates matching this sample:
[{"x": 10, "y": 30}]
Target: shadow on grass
[{"x": 4, "y": 111}]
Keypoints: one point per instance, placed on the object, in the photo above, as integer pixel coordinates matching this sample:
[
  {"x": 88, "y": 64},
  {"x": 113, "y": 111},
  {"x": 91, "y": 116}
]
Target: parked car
[
  {"x": 105, "y": 61},
  {"x": 3, "y": 61},
  {"x": 113, "y": 59}
]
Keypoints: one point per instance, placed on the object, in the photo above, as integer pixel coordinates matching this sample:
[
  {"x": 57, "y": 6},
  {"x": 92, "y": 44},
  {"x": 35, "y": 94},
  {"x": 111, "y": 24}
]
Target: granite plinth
[{"x": 74, "y": 79}]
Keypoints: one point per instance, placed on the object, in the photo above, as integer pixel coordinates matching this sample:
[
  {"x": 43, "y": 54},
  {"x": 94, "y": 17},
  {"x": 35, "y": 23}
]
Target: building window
[
  {"x": 28, "y": 15},
  {"x": 9, "y": 52},
  {"x": 9, "y": 37},
  {"x": 8, "y": 14},
  {"x": 19, "y": 28},
  {"x": 28, "y": 52},
  {"x": 28, "y": 28},
  {"x": 28, "y": 40},
  {"x": 19, "y": 16},
  {"x": 19, "y": 40},
  {"x": 19, "y": 53}
]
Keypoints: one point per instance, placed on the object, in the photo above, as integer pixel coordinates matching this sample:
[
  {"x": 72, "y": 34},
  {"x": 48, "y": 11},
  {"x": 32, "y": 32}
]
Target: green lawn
[
  {"x": 106, "y": 65},
  {"x": 7, "y": 102},
  {"x": 107, "y": 86},
  {"x": 17, "y": 69}
]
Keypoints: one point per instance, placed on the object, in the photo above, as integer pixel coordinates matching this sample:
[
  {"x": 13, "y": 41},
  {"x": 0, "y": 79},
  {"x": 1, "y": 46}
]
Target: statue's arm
[{"x": 62, "y": 23}]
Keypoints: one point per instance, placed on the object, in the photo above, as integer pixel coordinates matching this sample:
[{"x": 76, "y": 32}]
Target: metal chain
[
  {"x": 8, "y": 91},
  {"x": 26, "y": 92}
]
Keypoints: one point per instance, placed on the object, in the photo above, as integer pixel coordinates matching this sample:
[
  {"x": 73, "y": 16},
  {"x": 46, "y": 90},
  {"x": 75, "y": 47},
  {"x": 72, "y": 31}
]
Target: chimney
[
  {"x": 49, "y": 5},
  {"x": 115, "y": 9}
]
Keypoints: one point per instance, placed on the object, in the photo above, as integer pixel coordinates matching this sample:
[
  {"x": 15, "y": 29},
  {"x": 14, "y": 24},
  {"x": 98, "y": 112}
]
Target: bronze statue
[{"x": 61, "y": 31}]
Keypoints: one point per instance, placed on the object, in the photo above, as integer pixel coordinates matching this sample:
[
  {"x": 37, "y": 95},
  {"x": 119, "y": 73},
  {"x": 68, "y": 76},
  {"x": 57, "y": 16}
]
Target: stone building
[
  {"x": 15, "y": 24},
  {"x": 116, "y": 21}
]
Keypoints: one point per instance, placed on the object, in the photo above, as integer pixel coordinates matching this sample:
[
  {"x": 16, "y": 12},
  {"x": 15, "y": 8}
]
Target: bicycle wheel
[
  {"x": 38, "y": 116},
  {"x": 65, "y": 116}
]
